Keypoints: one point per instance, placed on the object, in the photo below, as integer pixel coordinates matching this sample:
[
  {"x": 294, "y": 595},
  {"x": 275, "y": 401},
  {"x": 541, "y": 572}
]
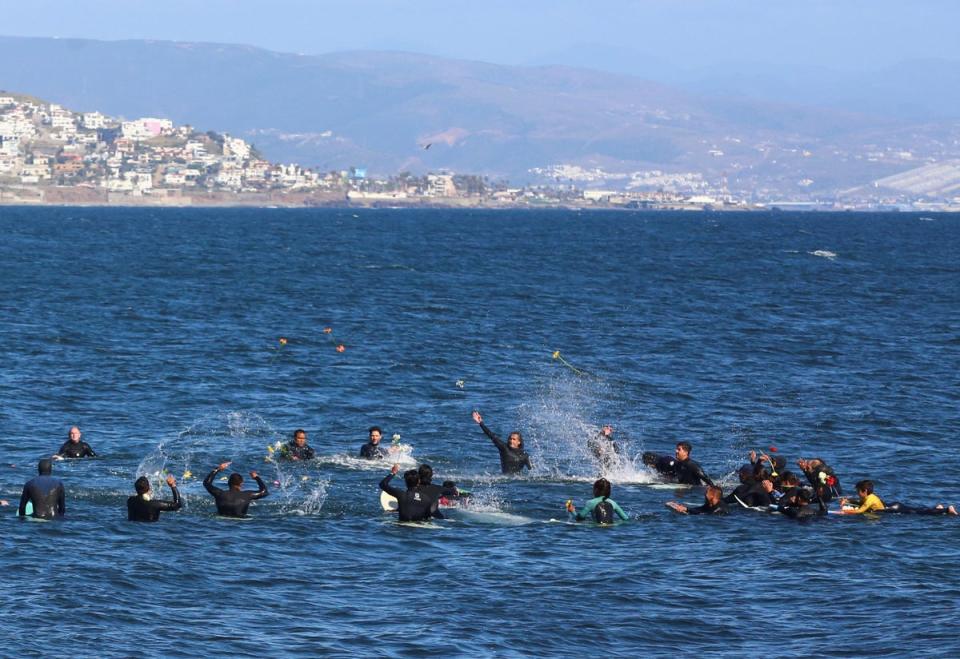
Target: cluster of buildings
[
  {"x": 44, "y": 143},
  {"x": 71, "y": 157}
]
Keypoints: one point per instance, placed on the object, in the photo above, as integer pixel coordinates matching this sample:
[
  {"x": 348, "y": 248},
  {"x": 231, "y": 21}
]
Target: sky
[{"x": 669, "y": 37}]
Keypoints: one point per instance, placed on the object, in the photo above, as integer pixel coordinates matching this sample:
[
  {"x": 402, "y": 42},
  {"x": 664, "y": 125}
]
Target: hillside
[{"x": 380, "y": 110}]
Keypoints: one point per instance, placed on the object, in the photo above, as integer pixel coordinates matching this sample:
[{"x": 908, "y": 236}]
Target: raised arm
[
  {"x": 169, "y": 506},
  {"x": 389, "y": 489},
  {"x": 208, "y": 481},
  {"x": 263, "y": 491},
  {"x": 486, "y": 431},
  {"x": 703, "y": 476}
]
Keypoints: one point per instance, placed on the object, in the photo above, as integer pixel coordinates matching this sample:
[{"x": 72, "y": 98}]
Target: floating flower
[
  {"x": 270, "y": 449},
  {"x": 283, "y": 341},
  {"x": 304, "y": 478},
  {"x": 327, "y": 330},
  {"x": 459, "y": 384},
  {"x": 773, "y": 449},
  {"x": 396, "y": 438},
  {"x": 556, "y": 354},
  {"x": 187, "y": 474},
  {"x": 341, "y": 347}
]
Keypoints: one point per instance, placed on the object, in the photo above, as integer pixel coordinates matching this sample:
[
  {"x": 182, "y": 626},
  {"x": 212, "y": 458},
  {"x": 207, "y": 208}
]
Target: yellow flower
[{"x": 556, "y": 354}]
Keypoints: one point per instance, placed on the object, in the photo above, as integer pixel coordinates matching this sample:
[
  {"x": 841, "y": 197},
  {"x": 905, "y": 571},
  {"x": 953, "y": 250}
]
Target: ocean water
[{"x": 157, "y": 332}]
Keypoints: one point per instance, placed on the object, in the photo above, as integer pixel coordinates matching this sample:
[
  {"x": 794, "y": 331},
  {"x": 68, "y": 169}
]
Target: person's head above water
[
  {"x": 683, "y": 450},
  {"x": 425, "y": 472},
  {"x": 864, "y": 488},
  {"x": 300, "y": 437},
  {"x": 375, "y": 435},
  {"x": 601, "y": 488},
  {"x": 235, "y": 481},
  {"x": 412, "y": 478},
  {"x": 713, "y": 495},
  {"x": 74, "y": 434},
  {"x": 746, "y": 473},
  {"x": 142, "y": 485},
  {"x": 45, "y": 466},
  {"x": 515, "y": 440}
]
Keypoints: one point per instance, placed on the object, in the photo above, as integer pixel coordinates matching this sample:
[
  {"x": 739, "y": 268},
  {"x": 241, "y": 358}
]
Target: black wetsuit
[
  {"x": 141, "y": 510},
  {"x": 372, "y": 451},
  {"x": 826, "y": 492},
  {"x": 512, "y": 460},
  {"x": 804, "y": 511},
  {"x": 751, "y": 493},
  {"x": 233, "y": 503},
  {"x": 665, "y": 465},
  {"x": 605, "y": 450},
  {"x": 47, "y": 496},
  {"x": 707, "y": 509},
  {"x": 293, "y": 452},
  {"x": 413, "y": 505},
  {"x": 689, "y": 472},
  {"x": 76, "y": 450}
]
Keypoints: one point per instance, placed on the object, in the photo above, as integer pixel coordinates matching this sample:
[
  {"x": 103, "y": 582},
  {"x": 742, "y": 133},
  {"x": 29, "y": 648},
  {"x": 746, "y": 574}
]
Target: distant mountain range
[{"x": 390, "y": 112}]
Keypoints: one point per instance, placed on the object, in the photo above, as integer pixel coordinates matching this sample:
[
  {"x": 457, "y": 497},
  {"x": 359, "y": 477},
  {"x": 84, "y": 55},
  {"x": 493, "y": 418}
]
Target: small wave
[
  {"x": 823, "y": 253},
  {"x": 927, "y": 219},
  {"x": 403, "y": 457}
]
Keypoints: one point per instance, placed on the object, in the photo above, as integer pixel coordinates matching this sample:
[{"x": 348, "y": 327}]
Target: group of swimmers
[{"x": 765, "y": 483}]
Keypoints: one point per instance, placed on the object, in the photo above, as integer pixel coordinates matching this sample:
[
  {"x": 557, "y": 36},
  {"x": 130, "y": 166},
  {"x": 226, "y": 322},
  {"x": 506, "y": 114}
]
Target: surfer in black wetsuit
[
  {"x": 604, "y": 449},
  {"x": 712, "y": 504},
  {"x": 512, "y": 456},
  {"x": 297, "y": 448},
  {"x": 234, "y": 501},
  {"x": 662, "y": 464},
  {"x": 372, "y": 450},
  {"x": 425, "y": 475},
  {"x": 750, "y": 492},
  {"x": 822, "y": 478},
  {"x": 413, "y": 504},
  {"x": 141, "y": 508},
  {"x": 687, "y": 471},
  {"x": 45, "y": 493},
  {"x": 74, "y": 448},
  {"x": 798, "y": 506}
]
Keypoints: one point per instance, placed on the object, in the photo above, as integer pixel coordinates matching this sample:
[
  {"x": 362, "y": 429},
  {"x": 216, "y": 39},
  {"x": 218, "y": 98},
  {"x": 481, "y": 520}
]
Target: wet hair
[
  {"x": 649, "y": 458},
  {"x": 789, "y": 479},
  {"x": 715, "y": 489},
  {"x": 44, "y": 467},
  {"x": 746, "y": 473},
  {"x": 235, "y": 479},
  {"x": 685, "y": 446},
  {"x": 411, "y": 477},
  {"x": 141, "y": 485},
  {"x": 519, "y": 436},
  {"x": 298, "y": 431},
  {"x": 865, "y": 486},
  {"x": 449, "y": 485},
  {"x": 426, "y": 474},
  {"x": 601, "y": 488},
  {"x": 372, "y": 428}
]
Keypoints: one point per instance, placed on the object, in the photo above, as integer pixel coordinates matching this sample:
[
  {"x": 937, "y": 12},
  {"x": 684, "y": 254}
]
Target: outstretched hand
[
  {"x": 223, "y": 465},
  {"x": 476, "y": 417},
  {"x": 679, "y": 507},
  {"x": 253, "y": 475},
  {"x": 171, "y": 481},
  {"x": 394, "y": 469}
]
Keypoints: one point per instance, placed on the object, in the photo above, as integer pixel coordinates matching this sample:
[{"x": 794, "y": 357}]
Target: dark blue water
[{"x": 156, "y": 331}]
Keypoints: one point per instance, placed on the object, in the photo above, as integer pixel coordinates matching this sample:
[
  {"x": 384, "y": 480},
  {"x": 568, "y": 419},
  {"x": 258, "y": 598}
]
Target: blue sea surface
[{"x": 158, "y": 333}]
